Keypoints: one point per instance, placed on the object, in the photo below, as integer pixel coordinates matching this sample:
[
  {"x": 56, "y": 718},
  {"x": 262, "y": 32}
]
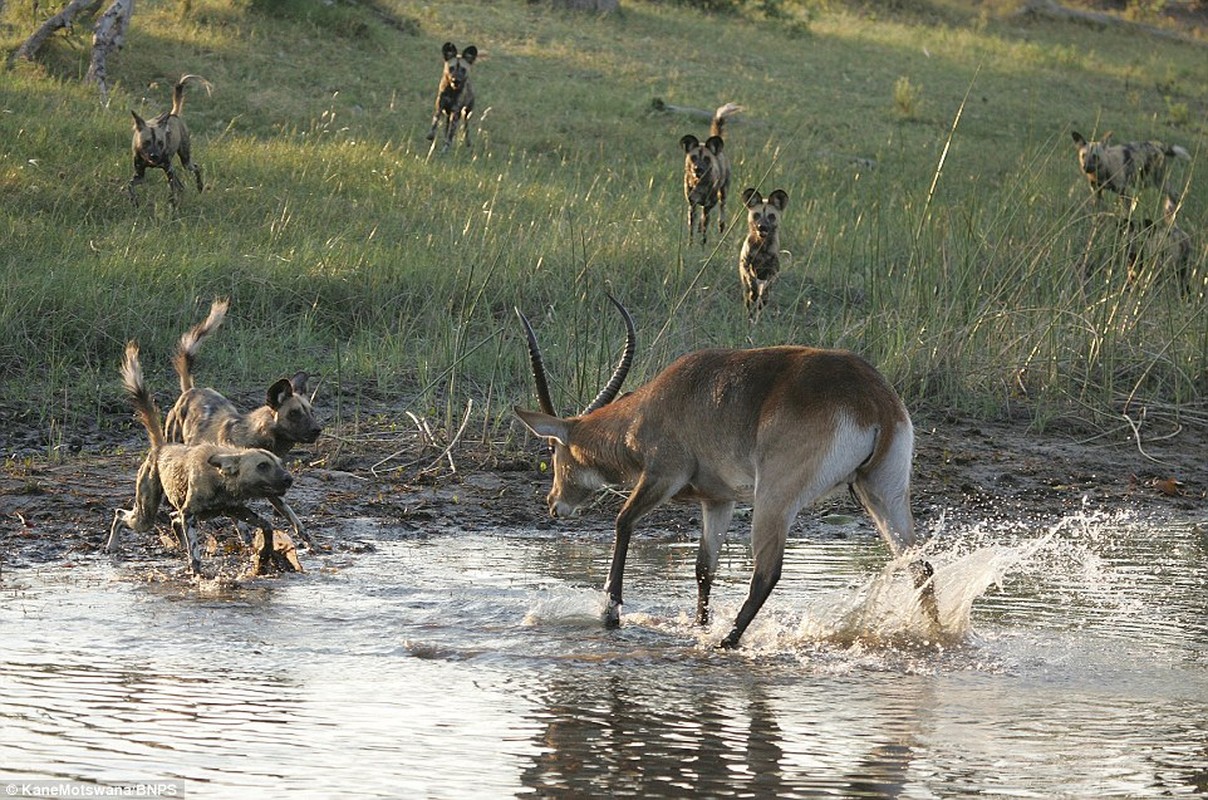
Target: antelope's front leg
[
  {"x": 616, "y": 574},
  {"x": 645, "y": 496}
]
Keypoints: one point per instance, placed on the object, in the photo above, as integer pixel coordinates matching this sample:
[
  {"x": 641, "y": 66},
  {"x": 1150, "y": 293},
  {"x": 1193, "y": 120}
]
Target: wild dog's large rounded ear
[
  {"x": 470, "y": 54},
  {"x": 779, "y": 198},
  {"x": 751, "y": 197},
  {"x": 139, "y": 124},
  {"x": 225, "y": 463},
  {"x": 1078, "y": 140},
  {"x": 298, "y": 382},
  {"x": 688, "y": 142},
  {"x": 448, "y": 50},
  {"x": 278, "y": 393},
  {"x": 715, "y": 143}
]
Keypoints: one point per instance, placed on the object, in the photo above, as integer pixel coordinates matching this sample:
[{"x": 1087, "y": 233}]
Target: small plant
[
  {"x": 906, "y": 97},
  {"x": 1179, "y": 113}
]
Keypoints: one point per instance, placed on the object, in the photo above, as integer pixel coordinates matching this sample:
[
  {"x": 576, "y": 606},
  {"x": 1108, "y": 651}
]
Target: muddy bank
[{"x": 59, "y": 509}]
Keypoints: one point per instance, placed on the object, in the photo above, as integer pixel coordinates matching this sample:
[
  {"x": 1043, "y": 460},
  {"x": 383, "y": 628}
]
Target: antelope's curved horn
[
  {"x": 609, "y": 392},
  {"x": 547, "y": 405}
]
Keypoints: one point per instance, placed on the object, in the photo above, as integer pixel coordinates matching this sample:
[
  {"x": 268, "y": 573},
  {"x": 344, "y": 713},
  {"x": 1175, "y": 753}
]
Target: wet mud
[{"x": 57, "y": 506}]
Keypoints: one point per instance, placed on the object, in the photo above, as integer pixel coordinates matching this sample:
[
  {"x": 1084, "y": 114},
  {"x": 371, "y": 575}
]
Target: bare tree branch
[
  {"x": 64, "y": 19},
  {"x": 108, "y": 37}
]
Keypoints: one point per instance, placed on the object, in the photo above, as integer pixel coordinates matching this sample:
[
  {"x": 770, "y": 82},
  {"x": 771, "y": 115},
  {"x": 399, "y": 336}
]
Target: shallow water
[{"x": 473, "y": 665}]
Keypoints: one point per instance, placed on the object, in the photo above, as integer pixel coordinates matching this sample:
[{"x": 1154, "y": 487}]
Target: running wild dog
[
  {"x": 287, "y": 417},
  {"x": 157, "y": 142},
  {"x": 707, "y": 173},
  {"x": 199, "y": 481},
  {"x": 454, "y": 96},
  {"x": 777, "y": 426},
  {"x": 759, "y": 262},
  {"x": 1122, "y": 168}
]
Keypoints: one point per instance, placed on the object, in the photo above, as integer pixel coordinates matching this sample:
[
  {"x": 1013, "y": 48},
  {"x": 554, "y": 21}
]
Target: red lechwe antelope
[{"x": 777, "y": 426}]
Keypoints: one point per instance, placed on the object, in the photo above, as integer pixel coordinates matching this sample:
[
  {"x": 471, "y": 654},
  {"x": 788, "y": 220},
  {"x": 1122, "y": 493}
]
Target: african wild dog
[
  {"x": 455, "y": 96},
  {"x": 157, "y": 142},
  {"x": 204, "y": 415},
  {"x": 1121, "y": 168},
  {"x": 1161, "y": 249},
  {"x": 200, "y": 481},
  {"x": 707, "y": 173},
  {"x": 760, "y": 260}
]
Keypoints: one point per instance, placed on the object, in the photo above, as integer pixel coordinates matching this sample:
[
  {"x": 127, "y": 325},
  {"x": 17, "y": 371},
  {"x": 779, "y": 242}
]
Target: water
[{"x": 454, "y": 666}]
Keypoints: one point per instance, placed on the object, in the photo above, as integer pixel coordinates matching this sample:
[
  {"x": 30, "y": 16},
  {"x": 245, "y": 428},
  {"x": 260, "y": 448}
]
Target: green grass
[{"x": 954, "y": 263}]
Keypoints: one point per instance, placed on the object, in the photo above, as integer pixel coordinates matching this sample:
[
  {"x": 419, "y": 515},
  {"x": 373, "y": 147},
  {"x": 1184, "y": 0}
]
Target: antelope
[{"x": 776, "y": 426}]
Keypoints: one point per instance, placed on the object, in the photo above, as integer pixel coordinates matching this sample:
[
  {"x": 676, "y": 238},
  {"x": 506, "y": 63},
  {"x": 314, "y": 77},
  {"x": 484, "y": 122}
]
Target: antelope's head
[{"x": 576, "y": 467}]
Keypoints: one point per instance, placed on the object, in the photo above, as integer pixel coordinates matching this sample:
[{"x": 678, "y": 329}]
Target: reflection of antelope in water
[{"x": 780, "y": 426}]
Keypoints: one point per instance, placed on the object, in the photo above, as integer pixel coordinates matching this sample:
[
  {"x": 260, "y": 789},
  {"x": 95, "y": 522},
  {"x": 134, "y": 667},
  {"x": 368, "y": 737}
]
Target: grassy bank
[{"x": 937, "y": 221}]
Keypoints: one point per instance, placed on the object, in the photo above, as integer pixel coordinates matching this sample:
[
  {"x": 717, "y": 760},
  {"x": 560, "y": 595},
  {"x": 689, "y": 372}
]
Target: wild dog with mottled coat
[
  {"x": 455, "y": 95},
  {"x": 158, "y": 141},
  {"x": 199, "y": 481},
  {"x": 777, "y": 426},
  {"x": 707, "y": 173},
  {"x": 1161, "y": 249},
  {"x": 1122, "y": 168},
  {"x": 200, "y": 415},
  {"x": 759, "y": 262}
]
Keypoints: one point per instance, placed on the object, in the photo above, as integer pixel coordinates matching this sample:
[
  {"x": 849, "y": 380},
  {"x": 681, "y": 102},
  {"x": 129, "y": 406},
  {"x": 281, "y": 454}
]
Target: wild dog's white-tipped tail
[
  {"x": 178, "y": 93},
  {"x": 722, "y": 113},
  {"x": 144, "y": 404},
  {"x": 190, "y": 341},
  {"x": 1180, "y": 152}
]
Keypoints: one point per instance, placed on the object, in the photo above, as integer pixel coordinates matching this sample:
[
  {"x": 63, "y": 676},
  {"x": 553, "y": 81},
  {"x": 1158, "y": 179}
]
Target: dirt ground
[{"x": 376, "y": 474}]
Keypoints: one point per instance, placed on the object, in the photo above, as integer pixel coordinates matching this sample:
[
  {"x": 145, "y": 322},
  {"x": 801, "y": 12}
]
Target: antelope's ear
[{"x": 545, "y": 426}]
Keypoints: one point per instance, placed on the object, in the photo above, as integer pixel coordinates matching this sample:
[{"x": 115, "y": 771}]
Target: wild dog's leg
[
  {"x": 284, "y": 510},
  {"x": 646, "y": 495},
  {"x": 140, "y": 170},
  {"x": 186, "y": 161},
  {"x": 716, "y": 521},
  {"x": 175, "y": 184},
  {"x": 465, "y": 125},
  {"x": 769, "y": 532},
  {"x": 691, "y": 221},
  {"x": 704, "y": 224},
  {"x": 119, "y": 519},
  {"x": 262, "y": 559},
  {"x": 184, "y": 526}
]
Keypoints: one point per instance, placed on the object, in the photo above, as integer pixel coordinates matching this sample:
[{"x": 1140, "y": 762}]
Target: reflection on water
[{"x": 475, "y": 666}]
